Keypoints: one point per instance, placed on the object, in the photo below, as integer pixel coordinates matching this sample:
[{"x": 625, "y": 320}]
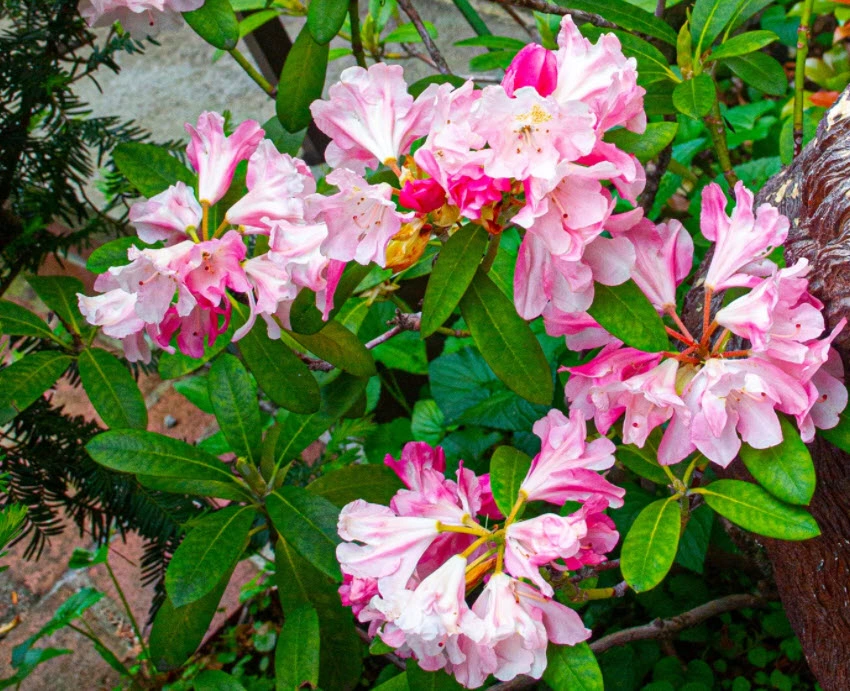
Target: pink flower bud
[
  {"x": 533, "y": 66},
  {"x": 422, "y": 196}
]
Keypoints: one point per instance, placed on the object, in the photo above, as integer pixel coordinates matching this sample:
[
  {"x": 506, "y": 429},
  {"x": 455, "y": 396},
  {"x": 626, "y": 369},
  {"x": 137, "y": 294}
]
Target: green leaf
[
  {"x": 625, "y": 312},
  {"x": 325, "y": 18},
  {"x": 150, "y": 168},
  {"x": 372, "y": 482},
  {"x": 497, "y": 60},
  {"x": 337, "y": 345},
  {"x": 508, "y": 469},
  {"x": 693, "y": 545},
  {"x": 196, "y": 390},
  {"x": 708, "y": 19},
  {"x": 644, "y": 461},
  {"x": 760, "y": 71},
  {"x": 304, "y": 316},
  {"x": 645, "y": 146},
  {"x": 407, "y": 33},
  {"x": 652, "y": 65},
  {"x": 216, "y": 680},
  {"x": 201, "y": 488},
  {"x": 234, "y": 401},
  {"x": 301, "y": 81},
  {"x": 113, "y": 253},
  {"x": 18, "y": 321},
  {"x": 209, "y": 552},
  {"x": 840, "y": 434},
  {"x": 752, "y": 508},
  {"x": 651, "y": 544},
  {"x": 505, "y": 340},
  {"x": 742, "y": 44},
  {"x": 573, "y": 667},
  {"x": 298, "y": 649},
  {"x": 497, "y": 42},
  {"x": 420, "y": 680},
  {"x": 626, "y": 16},
  {"x": 421, "y": 84},
  {"x": 405, "y": 351},
  {"x": 279, "y": 372},
  {"x": 785, "y": 470},
  {"x": 452, "y": 273},
  {"x": 396, "y": 683},
  {"x": 178, "y": 631},
  {"x": 308, "y": 523},
  {"x": 285, "y": 142},
  {"x": 427, "y": 422},
  {"x": 22, "y": 382},
  {"x": 748, "y": 8},
  {"x": 59, "y": 293},
  {"x": 112, "y": 390},
  {"x": 216, "y": 23},
  {"x": 297, "y": 431},
  {"x": 694, "y": 97}
]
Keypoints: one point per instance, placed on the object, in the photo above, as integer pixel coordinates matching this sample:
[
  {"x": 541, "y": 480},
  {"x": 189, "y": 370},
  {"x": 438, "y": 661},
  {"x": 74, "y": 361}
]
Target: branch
[
  {"x": 549, "y": 8},
  {"x": 803, "y": 35},
  {"x": 430, "y": 46},
  {"x": 356, "y": 38}
]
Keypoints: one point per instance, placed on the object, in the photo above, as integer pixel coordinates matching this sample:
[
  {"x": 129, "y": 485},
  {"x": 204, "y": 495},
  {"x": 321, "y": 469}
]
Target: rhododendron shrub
[{"x": 595, "y": 373}]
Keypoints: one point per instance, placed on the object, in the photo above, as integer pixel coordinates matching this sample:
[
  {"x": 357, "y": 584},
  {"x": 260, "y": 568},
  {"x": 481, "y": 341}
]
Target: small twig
[
  {"x": 660, "y": 6},
  {"x": 717, "y": 130},
  {"x": 384, "y": 337},
  {"x": 252, "y": 72},
  {"x": 589, "y": 571},
  {"x": 549, "y": 8},
  {"x": 430, "y": 46},
  {"x": 803, "y": 35},
  {"x": 356, "y": 38}
]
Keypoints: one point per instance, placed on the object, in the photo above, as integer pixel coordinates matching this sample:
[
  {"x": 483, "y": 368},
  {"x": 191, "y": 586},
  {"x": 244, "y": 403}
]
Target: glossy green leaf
[
  {"x": 646, "y": 146},
  {"x": 625, "y": 312},
  {"x": 505, "y": 340},
  {"x": 304, "y": 316},
  {"x": 112, "y": 390},
  {"x": 490, "y": 41},
  {"x": 279, "y": 372},
  {"x": 216, "y": 23},
  {"x": 626, "y": 16},
  {"x": 308, "y": 523},
  {"x": 496, "y": 60},
  {"x": 113, "y": 253},
  {"x": 743, "y": 44},
  {"x": 754, "y": 509},
  {"x": 285, "y": 142},
  {"x": 216, "y": 680},
  {"x": 396, "y": 683},
  {"x": 150, "y": 168},
  {"x": 747, "y": 9},
  {"x": 694, "y": 97},
  {"x": 196, "y": 390},
  {"x": 573, "y": 667},
  {"x": 208, "y": 553},
  {"x": 22, "y": 382},
  {"x": 420, "y": 85},
  {"x": 301, "y": 81},
  {"x": 693, "y": 546},
  {"x": 708, "y": 19},
  {"x": 178, "y": 631},
  {"x": 59, "y": 293},
  {"x": 298, "y": 649},
  {"x": 420, "y": 680},
  {"x": 19, "y": 321},
  {"x": 201, "y": 488},
  {"x": 372, "y": 482},
  {"x": 234, "y": 401},
  {"x": 325, "y": 18},
  {"x": 644, "y": 461},
  {"x": 508, "y": 468},
  {"x": 760, "y": 71},
  {"x": 337, "y": 345},
  {"x": 452, "y": 273},
  {"x": 407, "y": 33},
  {"x": 651, "y": 544},
  {"x": 840, "y": 434},
  {"x": 652, "y": 65},
  {"x": 785, "y": 470}
]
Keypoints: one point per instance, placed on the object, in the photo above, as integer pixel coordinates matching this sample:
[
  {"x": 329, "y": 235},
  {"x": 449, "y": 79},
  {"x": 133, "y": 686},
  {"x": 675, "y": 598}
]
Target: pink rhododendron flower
[
  {"x": 417, "y": 457},
  {"x": 214, "y": 265},
  {"x": 167, "y": 216},
  {"x": 582, "y": 332},
  {"x": 114, "y": 311},
  {"x": 533, "y": 66},
  {"x": 215, "y": 156},
  {"x": 138, "y": 17},
  {"x": 370, "y": 117},
  {"x": 663, "y": 259}
]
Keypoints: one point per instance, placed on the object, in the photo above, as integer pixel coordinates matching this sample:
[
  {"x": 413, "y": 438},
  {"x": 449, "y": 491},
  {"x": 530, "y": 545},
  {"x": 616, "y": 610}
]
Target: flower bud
[
  {"x": 533, "y": 66},
  {"x": 423, "y": 196}
]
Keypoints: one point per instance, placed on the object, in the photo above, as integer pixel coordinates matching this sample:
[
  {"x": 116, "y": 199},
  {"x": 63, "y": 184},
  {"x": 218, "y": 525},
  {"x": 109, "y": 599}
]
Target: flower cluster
[
  {"x": 711, "y": 396},
  {"x": 409, "y": 568},
  {"x": 139, "y": 18}
]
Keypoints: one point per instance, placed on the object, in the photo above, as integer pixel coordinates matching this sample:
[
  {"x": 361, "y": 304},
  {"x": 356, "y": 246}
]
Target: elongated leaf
[
  {"x": 452, "y": 273},
  {"x": 407, "y": 33},
  {"x": 752, "y": 508},
  {"x": 279, "y": 371},
  {"x": 216, "y": 680},
  {"x": 372, "y": 482},
  {"x": 325, "y": 18},
  {"x": 112, "y": 390},
  {"x": 308, "y": 523},
  {"x": 785, "y": 470},
  {"x": 708, "y": 19},
  {"x": 178, "y": 631},
  {"x": 234, "y": 400},
  {"x": 506, "y": 342},
  {"x": 298, "y": 648},
  {"x": 646, "y": 146},
  {"x": 113, "y": 253},
  {"x": 743, "y": 44},
  {"x": 625, "y": 312},
  {"x": 22, "y": 382},
  {"x": 652, "y": 65},
  {"x": 201, "y": 488},
  {"x": 760, "y": 71},
  {"x": 490, "y": 41},
  {"x": 746, "y": 9},
  {"x": 840, "y": 434},
  {"x": 59, "y": 293},
  {"x": 693, "y": 545},
  {"x": 694, "y": 97},
  {"x": 301, "y": 81},
  {"x": 508, "y": 469},
  {"x": 644, "y": 461},
  {"x": 573, "y": 667},
  {"x": 340, "y": 347},
  {"x": 150, "y": 168},
  {"x": 626, "y": 16},
  {"x": 421, "y": 84},
  {"x": 304, "y": 316},
  {"x": 419, "y": 679},
  {"x": 216, "y": 23},
  {"x": 651, "y": 544},
  {"x": 19, "y": 321},
  {"x": 209, "y": 552}
]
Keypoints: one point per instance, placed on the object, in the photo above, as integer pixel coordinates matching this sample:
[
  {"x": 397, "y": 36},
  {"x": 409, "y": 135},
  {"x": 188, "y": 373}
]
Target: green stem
[
  {"x": 717, "y": 131},
  {"x": 356, "y": 37},
  {"x": 252, "y": 72},
  {"x": 94, "y": 638},
  {"x": 473, "y": 18},
  {"x": 803, "y": 33},
  {"x": 492, "y": 251},
  {"x": 127, "y": 609}
]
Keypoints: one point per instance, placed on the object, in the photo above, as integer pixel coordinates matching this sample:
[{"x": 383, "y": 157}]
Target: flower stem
[
  {"x": 706, "y": 317},
  {"x": 515, "y": 510},
  {"x": 252, "y": 72},
  {"x": 220, "y": 230},
  {"x": 474, "y": 546},
  {"x": 671, "y": 311},
  {"x": 803, "y": 33},
  {"x": 478, "y": 530},
  {"x": 717, "y": 131},
  {"x": 205, "y": 220}
]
